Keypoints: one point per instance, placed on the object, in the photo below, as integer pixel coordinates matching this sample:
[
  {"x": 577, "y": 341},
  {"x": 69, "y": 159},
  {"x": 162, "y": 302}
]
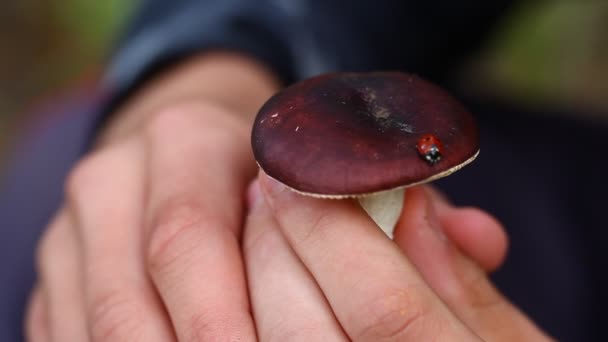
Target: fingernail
[{"x": 254, "y": 195}]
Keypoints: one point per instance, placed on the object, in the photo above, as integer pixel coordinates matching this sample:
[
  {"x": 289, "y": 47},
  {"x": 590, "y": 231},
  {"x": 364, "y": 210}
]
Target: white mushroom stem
[{"x": 384, "y": 208}]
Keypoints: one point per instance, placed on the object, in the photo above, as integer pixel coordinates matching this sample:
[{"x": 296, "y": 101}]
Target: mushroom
[{"x": 363, "y": 135}]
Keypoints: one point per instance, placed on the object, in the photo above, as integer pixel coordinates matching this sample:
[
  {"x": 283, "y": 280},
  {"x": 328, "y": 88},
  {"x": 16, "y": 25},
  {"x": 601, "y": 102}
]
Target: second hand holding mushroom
[{"x": 363, "y": 135}]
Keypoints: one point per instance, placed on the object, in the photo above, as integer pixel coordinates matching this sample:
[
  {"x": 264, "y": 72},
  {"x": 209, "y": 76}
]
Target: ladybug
[{"x": 430, "y": 148}]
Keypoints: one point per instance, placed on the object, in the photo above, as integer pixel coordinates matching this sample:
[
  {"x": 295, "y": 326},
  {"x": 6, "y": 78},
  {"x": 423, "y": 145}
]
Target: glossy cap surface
[{"x": 349, "y": 134}]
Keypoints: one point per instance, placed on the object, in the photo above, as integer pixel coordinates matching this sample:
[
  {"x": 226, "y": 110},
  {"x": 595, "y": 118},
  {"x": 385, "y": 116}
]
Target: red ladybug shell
[{"x": 430, "y": 148}]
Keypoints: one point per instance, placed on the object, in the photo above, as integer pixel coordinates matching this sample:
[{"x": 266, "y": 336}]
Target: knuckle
[
  {"x": 113, "y": 316},
  {"x": 264, "y": 246},
  {"x": 317, "y": 228},
  {"x": 183, "y": 123},
  {"x": 81, "y": 176},
  {"x": 287, "y": 331},
  {"x": 99, "y": 171},
  {"x": 90, "y": 175},
  {"x": 400, "y": 315},
  {"x": 209, "y": 326},
  {"x": 171, "y": 120},
  {"x": 175, "y": 231}
]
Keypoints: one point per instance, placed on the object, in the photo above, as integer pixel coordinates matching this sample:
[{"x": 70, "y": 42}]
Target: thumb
[
  {"x": 456, "y": 278},
  {"x": 477, "y": 234}
]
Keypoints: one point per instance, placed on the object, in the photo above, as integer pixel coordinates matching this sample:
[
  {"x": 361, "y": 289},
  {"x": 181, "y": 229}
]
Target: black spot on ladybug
[{"x": 430, "y": 148}]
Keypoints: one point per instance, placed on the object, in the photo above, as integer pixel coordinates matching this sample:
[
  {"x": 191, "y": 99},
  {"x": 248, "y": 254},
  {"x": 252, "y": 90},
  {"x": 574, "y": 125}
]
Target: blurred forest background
[
  {"x": 551, "y": 51},
  {"x": 47, "y": 46}
]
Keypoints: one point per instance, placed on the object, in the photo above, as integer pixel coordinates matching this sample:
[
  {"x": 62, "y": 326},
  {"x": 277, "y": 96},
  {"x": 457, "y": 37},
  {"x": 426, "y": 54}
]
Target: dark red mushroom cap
[{"x": 351, "y": 134}]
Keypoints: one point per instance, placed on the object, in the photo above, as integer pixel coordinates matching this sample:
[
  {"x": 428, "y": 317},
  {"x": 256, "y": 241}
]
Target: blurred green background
[
  {"x": 46, "y": 46},
  {"x": 552, "y": 51}
]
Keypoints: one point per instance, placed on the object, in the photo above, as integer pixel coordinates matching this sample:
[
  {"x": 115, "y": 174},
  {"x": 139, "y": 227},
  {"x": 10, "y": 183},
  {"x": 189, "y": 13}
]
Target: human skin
[
  {"x": 146, "y": 245},
  {"x": 149, "y": 245},
  {"x": 343, "y": 279}
]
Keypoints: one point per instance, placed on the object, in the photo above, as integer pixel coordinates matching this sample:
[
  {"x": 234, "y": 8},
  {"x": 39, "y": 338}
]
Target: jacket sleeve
[{"x": 300, "y": 38}]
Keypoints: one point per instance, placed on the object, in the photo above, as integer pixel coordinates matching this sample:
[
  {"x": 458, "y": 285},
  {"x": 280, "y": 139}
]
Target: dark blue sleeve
[{"x": 300, "y": 38}]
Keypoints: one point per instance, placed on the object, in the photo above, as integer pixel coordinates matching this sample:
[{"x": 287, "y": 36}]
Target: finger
[
  {"x": 287, "y": 303},
  {"x": 376, "y": 294},
  {"x": 59, "y": 263},
  {"x": 457, "y": 279},
  {"x": 107, "y": 191},
  {"x": 198, "y": 175},
  {"x": 477, "y": 234},
  {"x": 36, "y": 324}
]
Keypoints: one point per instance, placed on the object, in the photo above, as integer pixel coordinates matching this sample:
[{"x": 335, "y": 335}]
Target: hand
[
  {"x": 320, "y": 270},
  {"x": 147, "y": 244}
]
